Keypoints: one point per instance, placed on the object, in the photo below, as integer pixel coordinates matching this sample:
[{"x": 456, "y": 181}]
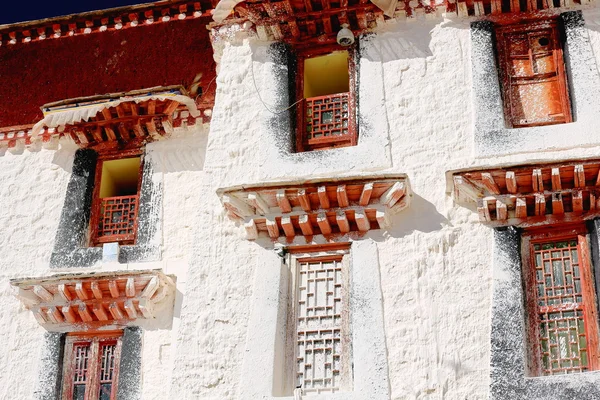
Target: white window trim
[
  {"x": 264, "y": 370},
  {"x": 294, "y": 261}
]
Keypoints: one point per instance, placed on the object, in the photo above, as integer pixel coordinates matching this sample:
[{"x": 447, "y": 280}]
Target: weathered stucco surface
[{"x": 416, "y": 96}]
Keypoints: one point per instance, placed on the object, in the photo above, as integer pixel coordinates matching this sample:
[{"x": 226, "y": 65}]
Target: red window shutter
[{"x": 533, "y": 75}]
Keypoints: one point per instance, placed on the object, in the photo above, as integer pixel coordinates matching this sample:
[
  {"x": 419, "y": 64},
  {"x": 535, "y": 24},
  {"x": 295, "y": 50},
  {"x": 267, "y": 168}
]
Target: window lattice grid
[
  {"x": 327, "y": 116},
  {"x": 118, "y": 216},
  {"x": 81, "y": 358},
  {"x": 562, "y": 337},
  {"x": 319, "y": 326},
  {"x": 107, "y": 364}
]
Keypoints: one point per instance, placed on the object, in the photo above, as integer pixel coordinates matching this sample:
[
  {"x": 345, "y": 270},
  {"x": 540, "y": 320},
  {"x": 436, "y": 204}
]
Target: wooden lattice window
[
  {"x": 116, "y": 198},
  {"x": 560, "y": 302},
  {"x": 91, "y": 366},
  {"x": 321, "y": 320},
  {"x": 326, "y": 101},
  {"x": 533, "y": 74}
]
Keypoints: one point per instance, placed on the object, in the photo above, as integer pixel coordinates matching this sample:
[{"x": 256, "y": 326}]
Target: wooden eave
[
  {"x": 93, "y": 300},
  {"x": 532, "y": 195},
  {"x": 117, "y": 120},
  {"x": 317, "y": 22},
  {"x": 329, "y": 207}
]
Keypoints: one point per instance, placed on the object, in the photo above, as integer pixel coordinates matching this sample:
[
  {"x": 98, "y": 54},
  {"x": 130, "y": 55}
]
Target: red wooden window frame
[
  {"x": 95, "y": 370},
  {"x": 303, "y": 140},
  {"x": 539, "y": 308},
  {"x": 518, "y": 72},
  {"x": 96, "y": 236}
]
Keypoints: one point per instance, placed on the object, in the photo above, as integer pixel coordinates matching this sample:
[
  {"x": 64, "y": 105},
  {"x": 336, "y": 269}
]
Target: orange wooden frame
[
  {"x": 503, "y": 39},
  {"x": 590, "y": 313},
  {"x": 302, "y": 142},
  {"x": 95, "y": 240},
  {"x": 94, "y": 340}
]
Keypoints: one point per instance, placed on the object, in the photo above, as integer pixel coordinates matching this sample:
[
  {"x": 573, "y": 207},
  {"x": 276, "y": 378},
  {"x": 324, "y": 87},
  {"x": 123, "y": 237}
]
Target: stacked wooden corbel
[
  {"x": 530, "y": 195},
  {"x": 94, "y": 299},
  {"x": 319, "y": 208}
]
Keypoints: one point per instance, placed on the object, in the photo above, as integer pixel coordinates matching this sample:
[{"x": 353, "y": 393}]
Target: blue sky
[{"x": 37, "y": 9}]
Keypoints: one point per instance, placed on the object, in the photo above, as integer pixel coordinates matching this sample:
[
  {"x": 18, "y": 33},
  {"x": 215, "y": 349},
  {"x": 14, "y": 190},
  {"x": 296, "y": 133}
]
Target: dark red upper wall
[{"x": 161, "y": 54}]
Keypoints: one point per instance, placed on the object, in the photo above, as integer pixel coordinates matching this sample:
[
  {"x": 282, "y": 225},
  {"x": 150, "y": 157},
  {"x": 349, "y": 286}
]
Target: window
[
  {"x": 326, "y": 100},
  {"x": 321, "y": 329},
  {"x": 116, "y": 199},
  {"x": 560, "y": 302},
  {"x": 91, "y": 366},
  {"x": 533, "y": 74}
]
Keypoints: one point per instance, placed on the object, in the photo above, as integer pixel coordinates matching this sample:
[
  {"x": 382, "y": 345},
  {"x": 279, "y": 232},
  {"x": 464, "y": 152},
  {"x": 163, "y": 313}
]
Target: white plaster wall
[
  {"x": 32, "y": 188},
  {"x": 435, "y": 262}
]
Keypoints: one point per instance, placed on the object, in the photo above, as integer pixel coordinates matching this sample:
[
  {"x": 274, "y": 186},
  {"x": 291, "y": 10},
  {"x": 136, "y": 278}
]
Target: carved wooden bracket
[
  {"x": 529, "y": 195},
  {"x": 82, "y": 301},
  {"x": 316, "y": 208}
]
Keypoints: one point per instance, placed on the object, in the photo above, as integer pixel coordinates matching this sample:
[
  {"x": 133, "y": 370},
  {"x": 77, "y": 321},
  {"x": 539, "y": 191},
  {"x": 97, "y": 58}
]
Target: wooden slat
[
  {"x": 272, "y": 228},
  {"x": 258, "y": 203},
  {"x": 579, "y": 176},
  {"x": 151, "y": 107},
  {"x": 43, "y": 293},
  {"x": 150, "y": 288},
  {"x": 323, "y": 198},
  {"x": 96, "y": 290},
  {"x": 323, "y": 223},
  {"x": 305, "y": 225},
  {"x": 484, "y": 211},
  {"x": 288, "y": 227},
  {"x": 557, "y": 204},
  {"x": 81, "y": 291},
  {"x": 147, "y": 308},
  {"x": 304, "y": 200},
  {"x": 393, "y": 194},
  {"x": 100, "y": 312},
  {"x": 170, "y": 107},
  {"x": 488, "y": 181},
  {"x": 64, "y": 292},
  {"x": 511, "y": 182},
  {"x": 362, "y": 222},
  {"x": 130, "y": 309},
  {"x": 130, "y": 287},
  {"x": 237, "y": 206},
  {"x": 283, "y": 201},
  {"x": 577, "y": 201},
  {"x": 365, "y": 196},
  {"x": 342, "y": 196},
  {"x": 501, "y": 211},
  {"x": 106, "y": 114},
  {"x": 110, "y": 133},
  {"x": 520, "y": 207},
  {"x": 69, "y": 314},
  {"x": 251, "y": 230},
  {"x": 540, "y": 204},
  {"x": 56, "y": 314},
  {"x": 116, "y": 311},
  {"x": 556, "y": 181},
  {"x": 536, "y": 180},
  {"x": 84, "y": 313},
  {"x": 342, "y": 222},
  {"x": 466, "y": 187},
  {"x": 382, "y": 219},
  {"x": 114, "y": 289}
]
